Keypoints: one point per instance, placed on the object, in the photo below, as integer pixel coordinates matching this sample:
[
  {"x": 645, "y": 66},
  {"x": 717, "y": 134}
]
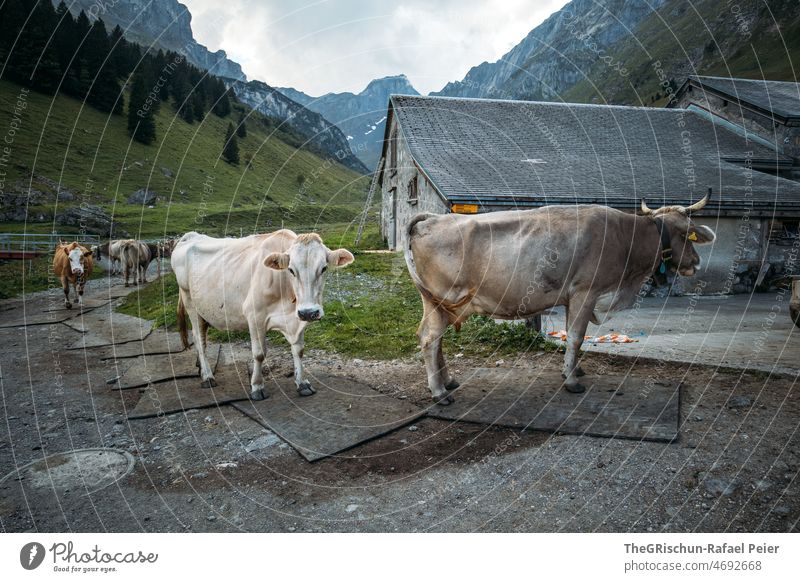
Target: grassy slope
[
  {"x": 92, "y": 154},
  {"x": 372, "y": 310},
  {"x": 703, "y": 37}
]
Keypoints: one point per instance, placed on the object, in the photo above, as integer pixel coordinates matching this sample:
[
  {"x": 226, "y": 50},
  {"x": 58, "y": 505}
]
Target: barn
[
  {"x": 766, "y": 109},
  {"x": 445, "y": 154}
]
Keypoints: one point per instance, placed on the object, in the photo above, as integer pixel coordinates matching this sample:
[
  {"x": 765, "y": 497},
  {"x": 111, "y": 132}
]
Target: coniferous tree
[
  {"x": 79, "y": 71},
  {"x": 123, "y": 57},
  {"x": 65, "y": 42},
  {"x": 241, "y": 129},
  {"x": 222, "y": 104},
  {"x": 181, "y": 93},
  {"x": 105, "y": 92},
  {"x": 141, "y": 113},
  {"x": 230, "y": 150},
  {"x": 199, "y": 104}
]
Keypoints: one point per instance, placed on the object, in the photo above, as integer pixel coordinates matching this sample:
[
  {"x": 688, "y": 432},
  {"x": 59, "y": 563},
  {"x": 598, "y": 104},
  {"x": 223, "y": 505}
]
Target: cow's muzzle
[{"x": 312, "y": 314}]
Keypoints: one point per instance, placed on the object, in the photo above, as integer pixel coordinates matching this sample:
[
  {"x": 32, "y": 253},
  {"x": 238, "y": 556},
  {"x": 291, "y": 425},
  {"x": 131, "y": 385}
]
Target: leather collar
[{"x": 662, "y": 268}]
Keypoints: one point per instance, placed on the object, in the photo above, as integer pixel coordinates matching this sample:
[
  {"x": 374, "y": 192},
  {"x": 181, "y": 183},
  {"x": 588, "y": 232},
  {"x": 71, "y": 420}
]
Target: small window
[
  {"x": 784, "y": 232},
  {"x": 393, "y": 152},
  {"x": 413, "y": 192}
]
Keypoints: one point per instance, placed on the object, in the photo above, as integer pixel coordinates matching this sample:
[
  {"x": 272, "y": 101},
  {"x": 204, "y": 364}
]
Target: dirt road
[{"x": 734, "y": 467}]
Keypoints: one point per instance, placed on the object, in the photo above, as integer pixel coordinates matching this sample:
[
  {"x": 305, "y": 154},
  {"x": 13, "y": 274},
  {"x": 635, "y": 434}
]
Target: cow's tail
[
  {"x": 182, "y": 327},
  {"x": 409, "y": 255}
]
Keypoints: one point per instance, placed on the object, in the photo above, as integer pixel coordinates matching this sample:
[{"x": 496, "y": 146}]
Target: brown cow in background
[{"x": 72, "y": 264}]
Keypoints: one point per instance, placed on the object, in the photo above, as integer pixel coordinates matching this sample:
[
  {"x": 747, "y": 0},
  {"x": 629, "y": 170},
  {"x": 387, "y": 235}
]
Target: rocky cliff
[
  {"x": 556, "y": 54},
  {"x": 165, "y": 24},
  {"x": 362, "y": 116},
  {"x": 323, "y": 136}
]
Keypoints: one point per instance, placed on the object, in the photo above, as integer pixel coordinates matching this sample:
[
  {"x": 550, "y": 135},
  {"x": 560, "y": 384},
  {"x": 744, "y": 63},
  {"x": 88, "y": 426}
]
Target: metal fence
[{"x": 24, "y": 246}]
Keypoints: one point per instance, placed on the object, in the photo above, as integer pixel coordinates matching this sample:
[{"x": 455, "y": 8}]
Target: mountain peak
[{"x": 393, "y": 84}]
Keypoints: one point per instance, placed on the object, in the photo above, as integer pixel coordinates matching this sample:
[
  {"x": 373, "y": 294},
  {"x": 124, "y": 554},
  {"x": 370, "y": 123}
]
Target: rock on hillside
[
  {"x": 362, "y": 116},
  {"x": 320, "y": 133},
  {"x": 164, "y": 24}
]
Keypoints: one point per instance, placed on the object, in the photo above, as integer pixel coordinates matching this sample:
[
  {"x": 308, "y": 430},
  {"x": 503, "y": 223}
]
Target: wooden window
[
  {"x": 393, "y": 152},
  {"x": 413, "y": 191}
]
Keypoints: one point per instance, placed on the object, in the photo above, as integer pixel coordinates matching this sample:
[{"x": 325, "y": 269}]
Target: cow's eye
[
  {"x": 325, "y": 268},
  {"x": 291, "y": 272}
]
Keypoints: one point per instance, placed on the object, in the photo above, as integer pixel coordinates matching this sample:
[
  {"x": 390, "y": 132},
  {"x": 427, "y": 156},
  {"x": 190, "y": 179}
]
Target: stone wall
[
  {"x": 396, "y": 209},
  {"x": 787, "y": 136}
]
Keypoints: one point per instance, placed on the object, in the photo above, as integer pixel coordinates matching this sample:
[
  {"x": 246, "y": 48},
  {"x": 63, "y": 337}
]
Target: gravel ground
[{"x": 734, "y": 467}]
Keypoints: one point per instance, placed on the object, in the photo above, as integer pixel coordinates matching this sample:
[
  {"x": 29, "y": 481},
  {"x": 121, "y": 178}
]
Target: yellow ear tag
[{"x": 692, "y": 236}]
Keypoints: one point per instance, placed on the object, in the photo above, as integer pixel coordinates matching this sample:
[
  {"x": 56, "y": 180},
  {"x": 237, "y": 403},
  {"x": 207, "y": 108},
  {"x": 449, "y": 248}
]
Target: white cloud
[{"x": 319, "y": 46}]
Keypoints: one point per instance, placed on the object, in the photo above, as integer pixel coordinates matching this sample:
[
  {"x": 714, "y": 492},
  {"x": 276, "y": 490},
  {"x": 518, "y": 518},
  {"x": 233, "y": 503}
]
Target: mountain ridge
[
  {"x": 361, "y": 116},
  {"x": 166, "y": 24},
  {"x": 551, "y": 57}
]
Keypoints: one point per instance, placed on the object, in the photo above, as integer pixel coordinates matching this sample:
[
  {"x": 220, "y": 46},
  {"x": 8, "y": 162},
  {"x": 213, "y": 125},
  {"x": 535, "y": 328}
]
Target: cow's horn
[
  {"x": 645, "y": 209},
  {"x": 699, "y": 205}
]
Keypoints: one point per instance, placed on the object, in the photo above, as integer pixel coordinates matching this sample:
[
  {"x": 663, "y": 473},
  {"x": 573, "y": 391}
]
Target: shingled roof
[
  {"x": 502, "y": 153},
  {"x": 779, "y": 98}
]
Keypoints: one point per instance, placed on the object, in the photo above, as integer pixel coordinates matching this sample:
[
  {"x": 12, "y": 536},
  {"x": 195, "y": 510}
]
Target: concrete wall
[
  {"x": 740, "y": 254},
  {"x": 396, "y": 209}
]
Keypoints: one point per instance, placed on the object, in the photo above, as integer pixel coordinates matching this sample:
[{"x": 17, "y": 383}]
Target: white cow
[
  {"x": 257, "y": 283},
  {"x": 113, "y": 250}
]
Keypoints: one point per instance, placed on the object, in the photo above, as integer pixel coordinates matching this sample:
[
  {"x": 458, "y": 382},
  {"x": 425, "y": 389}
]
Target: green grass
[
  {"x": 30, "y": 276},
  {"x": 91, "y": 154},
  {"x": 372, "y": 310}
]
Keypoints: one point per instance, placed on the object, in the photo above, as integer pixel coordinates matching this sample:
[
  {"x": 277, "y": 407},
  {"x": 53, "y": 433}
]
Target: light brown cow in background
[
  {"x": 136, "y": 257},
  {"x": 512, "y": 265},
  {"x": 73, "y": 264},
  {"x": 113, "y": 250}
]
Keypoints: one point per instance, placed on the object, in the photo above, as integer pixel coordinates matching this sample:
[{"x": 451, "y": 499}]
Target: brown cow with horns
[
  {"x": 512, "y": 265},
  {"x": 73, "y": 264}
]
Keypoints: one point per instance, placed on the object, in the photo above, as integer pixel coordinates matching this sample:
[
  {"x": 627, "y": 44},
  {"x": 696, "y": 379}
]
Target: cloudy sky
[{"x": 340, "y": 45}]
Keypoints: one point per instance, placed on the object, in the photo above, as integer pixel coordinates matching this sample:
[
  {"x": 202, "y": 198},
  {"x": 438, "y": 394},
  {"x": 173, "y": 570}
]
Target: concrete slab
[
  {"x": 149, "y": 370},
  {"x": 342, "y": 414},
  {"x": 105, "y": 328},
  {"x": 157, "y": 343},
  {"x": 612, "y": 406},
  {"x": 747, "y": 332},
  {"x": 88, "y": 304},
  {"x": 34, "y": 317}
]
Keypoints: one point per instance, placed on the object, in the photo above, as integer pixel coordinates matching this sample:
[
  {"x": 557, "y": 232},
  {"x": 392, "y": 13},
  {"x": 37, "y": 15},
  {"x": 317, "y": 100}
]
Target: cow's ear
[
  {"x": 700, "y": 234},
  {"x": 277, "y": 261},
  {"x": 340, "y": 258},
  {"x": 66, "y": 250},
  {"x": 87, "y": 253}
]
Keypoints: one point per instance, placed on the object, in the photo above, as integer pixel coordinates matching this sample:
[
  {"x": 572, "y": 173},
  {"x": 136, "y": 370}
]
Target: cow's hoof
[
  {"x": 445, "y": 400},
  {"x": 452, "y": 385},
  {"x": 305, "y": 389},
  {"x": 210, "y": 383},
  {"x": 259, "y": 394},
  {"x": 576, "y": 388},
  {"x": 68, "y": 305}
]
